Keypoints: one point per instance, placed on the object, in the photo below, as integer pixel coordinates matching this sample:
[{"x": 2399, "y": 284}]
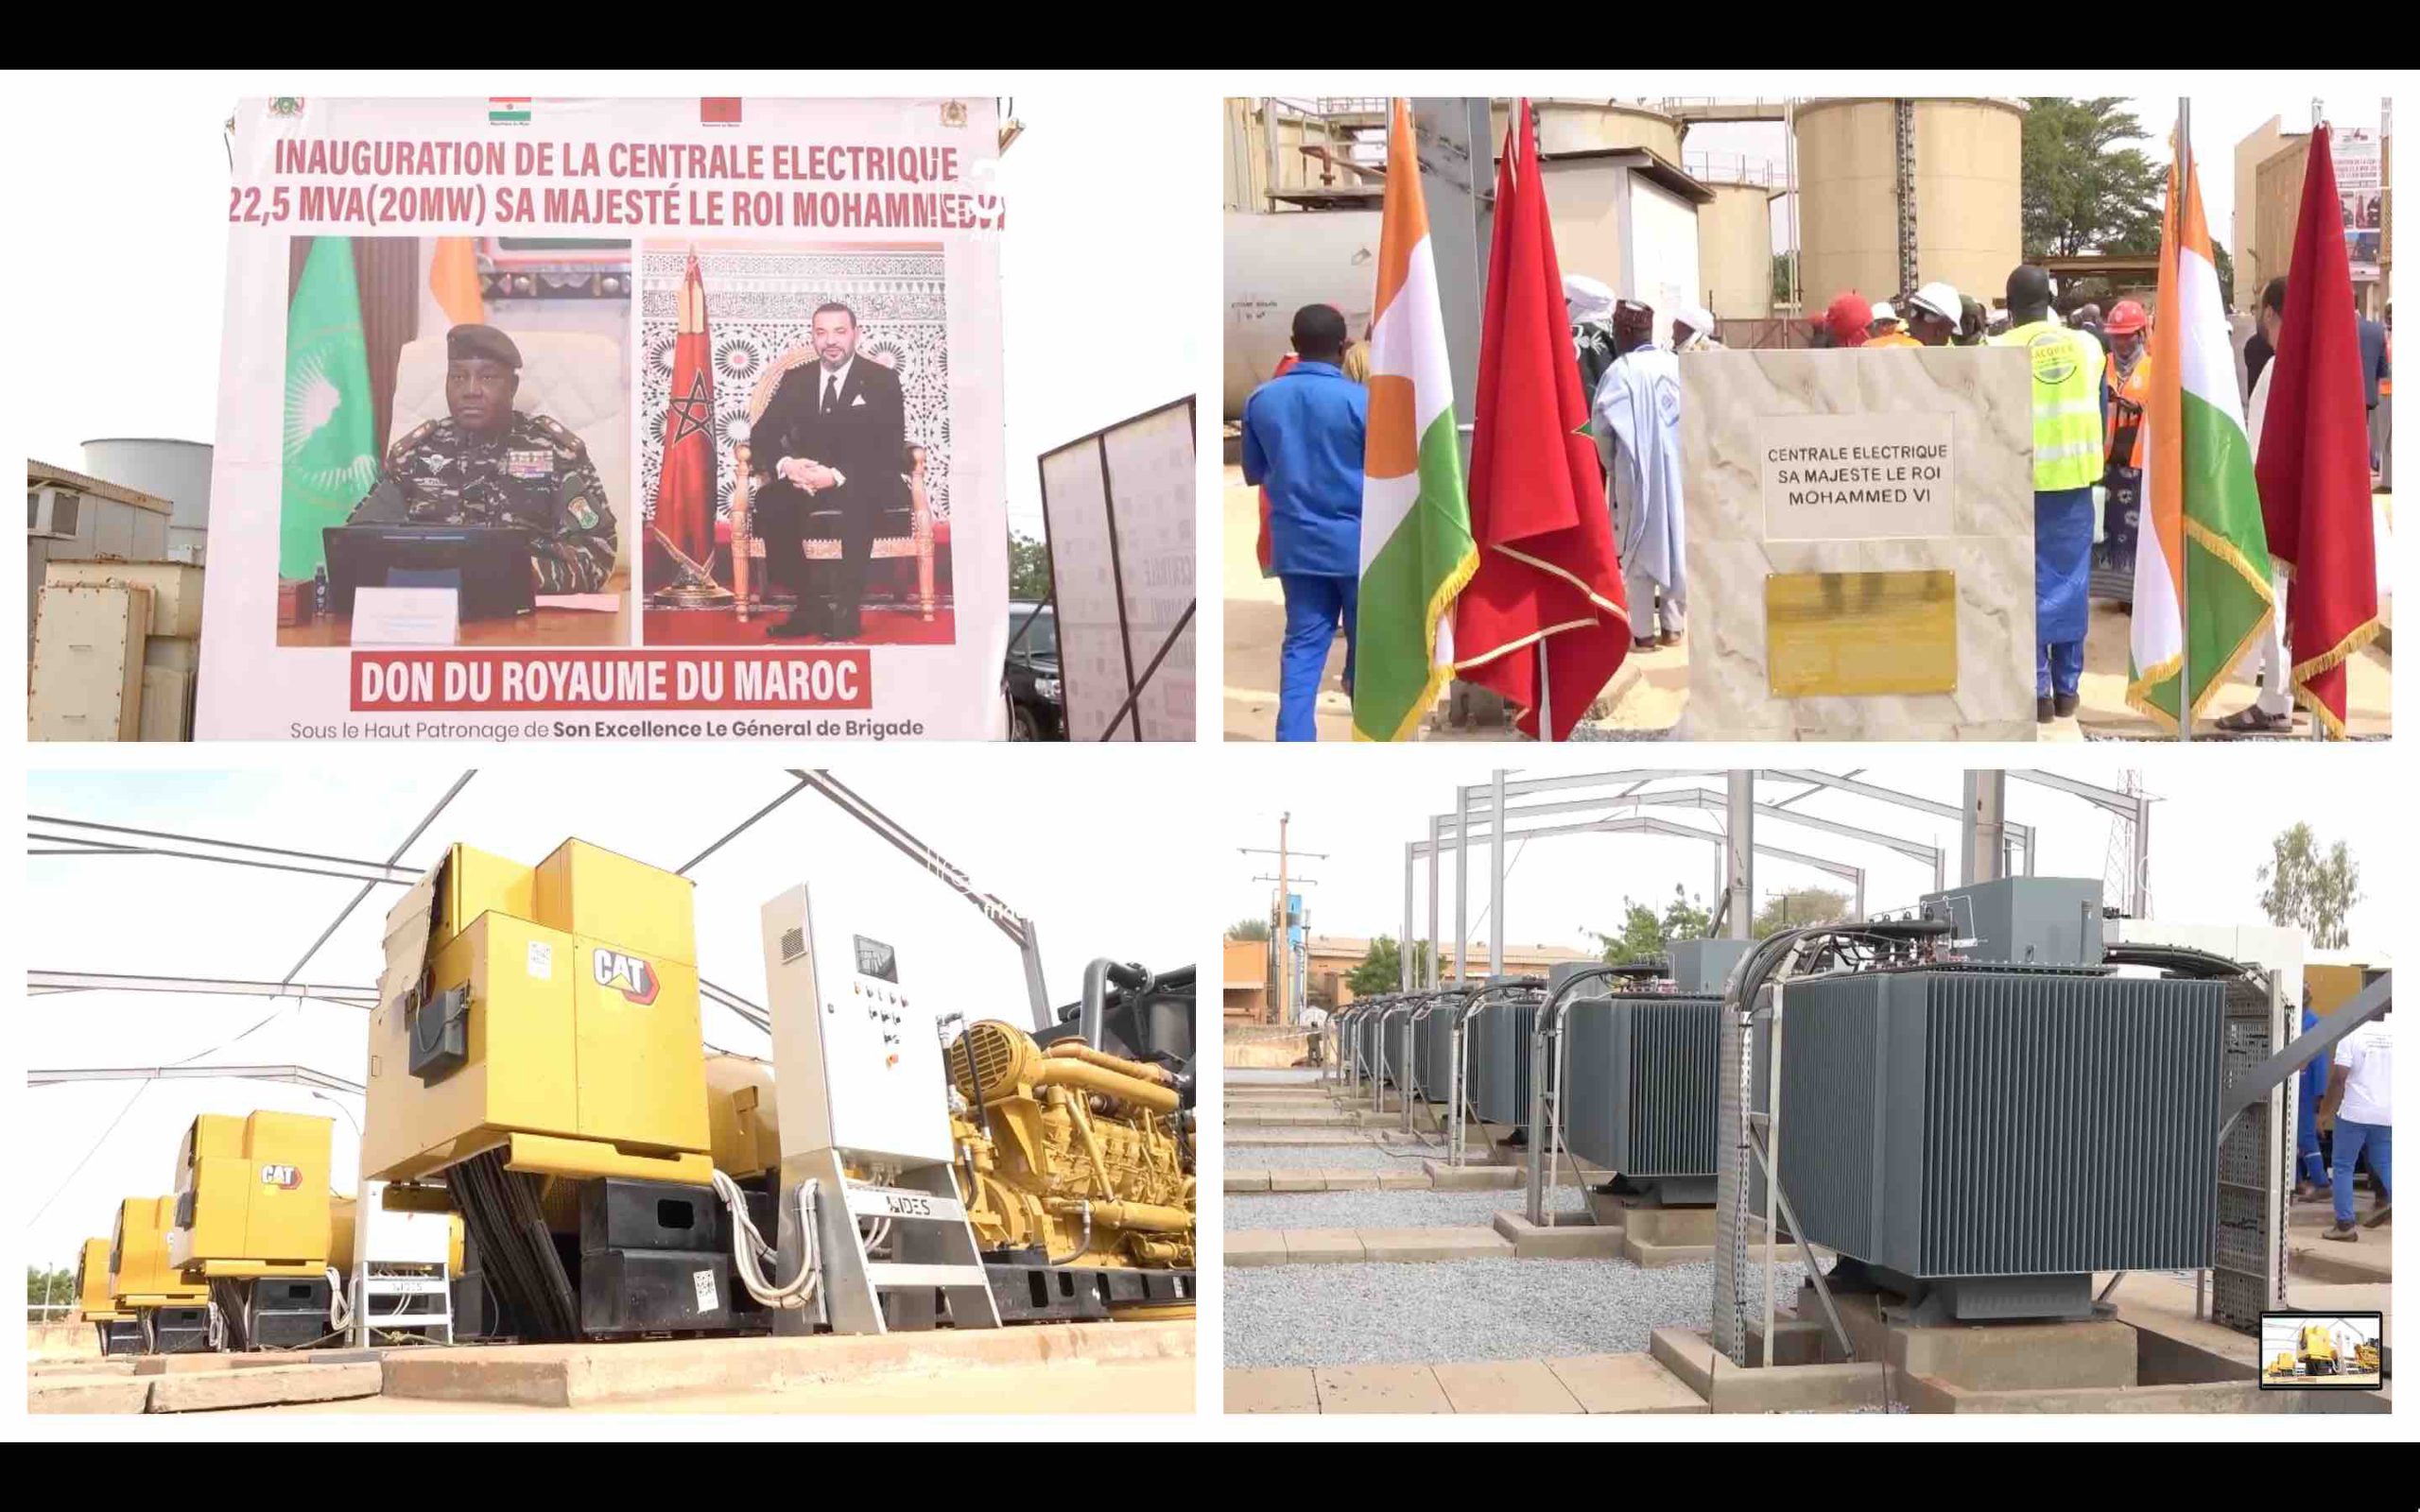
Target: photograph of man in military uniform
[
  {"x": 794, "y": 460},
  {"x": 461, "y": 382}
]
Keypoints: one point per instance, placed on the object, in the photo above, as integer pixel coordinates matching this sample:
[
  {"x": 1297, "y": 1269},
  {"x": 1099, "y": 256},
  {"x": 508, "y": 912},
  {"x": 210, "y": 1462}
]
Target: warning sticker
[
  {"x": 542, "y": 960},
  {"x": 705, "y": 1279}
]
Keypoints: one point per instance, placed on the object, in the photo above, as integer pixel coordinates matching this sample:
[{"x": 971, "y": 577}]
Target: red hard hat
[{"x": 2127, "y": 319}]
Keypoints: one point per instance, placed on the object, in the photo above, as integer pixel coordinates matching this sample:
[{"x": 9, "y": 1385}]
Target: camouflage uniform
[{"x": 536, "y": 476}]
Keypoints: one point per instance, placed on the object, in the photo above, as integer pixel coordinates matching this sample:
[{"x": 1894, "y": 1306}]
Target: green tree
[
  {"x": 1781, "y": 277},
  {"x": 1643, "y": 931},
  {"x": 1029, "y": 569},
  {"x": 1800, "y": 905},
  {"x": 1249, "y": 929},
  {"x": 2310, "y": 890},
  {"x": 2084, "y": 189},
  {"x": 2225, "y": 265},
  {"x": 55, "y": 1285},
  {"x": 1381, "y": 967}
]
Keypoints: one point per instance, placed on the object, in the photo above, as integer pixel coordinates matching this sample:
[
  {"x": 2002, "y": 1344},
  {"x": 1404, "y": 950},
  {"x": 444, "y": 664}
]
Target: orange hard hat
[{"x": 2127, "y": 319}]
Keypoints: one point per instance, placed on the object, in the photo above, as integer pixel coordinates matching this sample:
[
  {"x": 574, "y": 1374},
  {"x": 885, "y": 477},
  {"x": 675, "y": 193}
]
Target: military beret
[{"x": 467, "y": 342}]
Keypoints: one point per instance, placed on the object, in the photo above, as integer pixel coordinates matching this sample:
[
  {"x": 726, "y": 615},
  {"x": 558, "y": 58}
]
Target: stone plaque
[
  {"x": 1856, "y": 478},
  {"x": 1860, "y": 633}
]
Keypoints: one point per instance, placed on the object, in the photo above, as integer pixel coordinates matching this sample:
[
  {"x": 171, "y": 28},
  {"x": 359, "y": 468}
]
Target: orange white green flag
[
  {"x": 1416, "y": 549},
  {"x": 2202, "y": 594}
]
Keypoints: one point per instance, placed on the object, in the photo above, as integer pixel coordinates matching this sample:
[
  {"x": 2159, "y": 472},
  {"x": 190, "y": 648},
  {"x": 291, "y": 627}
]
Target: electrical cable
[
  {"x": 139, "y": 1090},
  {"x": 748, "y": 1247}
]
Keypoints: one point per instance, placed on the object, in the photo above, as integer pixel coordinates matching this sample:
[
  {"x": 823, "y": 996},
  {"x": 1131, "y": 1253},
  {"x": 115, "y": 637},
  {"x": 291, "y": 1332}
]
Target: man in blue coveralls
[{"x": 1303, "y": 439}]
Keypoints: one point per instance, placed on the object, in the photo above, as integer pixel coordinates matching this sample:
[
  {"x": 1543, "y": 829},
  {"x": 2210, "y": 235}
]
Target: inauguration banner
[{"x": 609, "y": 419}]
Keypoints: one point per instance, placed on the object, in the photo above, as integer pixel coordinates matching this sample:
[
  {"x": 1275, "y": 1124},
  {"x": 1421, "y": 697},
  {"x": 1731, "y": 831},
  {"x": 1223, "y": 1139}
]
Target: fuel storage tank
[{"x": 1963, "y": 166}]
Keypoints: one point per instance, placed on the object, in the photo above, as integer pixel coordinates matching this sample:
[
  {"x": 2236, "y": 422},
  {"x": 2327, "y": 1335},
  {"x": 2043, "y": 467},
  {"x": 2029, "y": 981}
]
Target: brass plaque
[{"x": 1831, "y": 634}]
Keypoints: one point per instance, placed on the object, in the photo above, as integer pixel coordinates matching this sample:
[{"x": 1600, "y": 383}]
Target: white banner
[{"x": 516, "y": 350}]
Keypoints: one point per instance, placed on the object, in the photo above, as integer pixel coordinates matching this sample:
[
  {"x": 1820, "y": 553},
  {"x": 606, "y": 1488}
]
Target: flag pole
[
  {"x": 2174, "y": 258},
  {"x": 1546, "y": 701}
]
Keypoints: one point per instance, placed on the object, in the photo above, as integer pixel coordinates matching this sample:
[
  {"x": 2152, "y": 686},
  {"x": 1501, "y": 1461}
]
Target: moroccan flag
[
  {"x": 454, "y": 280},
  {"x": 2314, "y": 465},
  {"x": 1416, "y": 551},
  {"x": 330, "y": 453},
  {"x": 1548, "y": 572},
  {"x": 684, "y": 483},
  {"x": 2203, "y": 538}
]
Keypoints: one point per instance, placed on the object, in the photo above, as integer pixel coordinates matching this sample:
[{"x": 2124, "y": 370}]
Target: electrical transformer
[
  {"x": 1497, "y": 1047},
  {"x": 253, "y": 1225},
  {"x": 1640, "y": 1090},
  {"x": 119, "y": 1330},
  {"x": 1980, "y": 1138},
  {"x": 536, "y": 1047}
]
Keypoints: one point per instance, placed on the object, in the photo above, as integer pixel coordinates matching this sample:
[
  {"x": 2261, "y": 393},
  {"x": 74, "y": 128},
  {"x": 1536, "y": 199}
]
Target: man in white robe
[{"x": 1636, "y": 421}]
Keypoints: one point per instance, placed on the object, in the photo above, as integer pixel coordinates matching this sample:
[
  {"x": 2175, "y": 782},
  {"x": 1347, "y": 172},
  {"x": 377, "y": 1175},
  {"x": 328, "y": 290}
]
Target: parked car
[{"x": 1037, "y": 711}]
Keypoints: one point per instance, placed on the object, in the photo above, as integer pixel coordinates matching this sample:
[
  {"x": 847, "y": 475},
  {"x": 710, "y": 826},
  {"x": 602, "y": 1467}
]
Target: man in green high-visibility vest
[{"x": 2070, "y": 404}]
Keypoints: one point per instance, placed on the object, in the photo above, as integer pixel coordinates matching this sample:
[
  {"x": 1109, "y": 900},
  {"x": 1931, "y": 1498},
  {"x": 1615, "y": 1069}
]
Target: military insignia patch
[
  {"x": 532, "y": 464},
  {"x": 580, "y": 510}
]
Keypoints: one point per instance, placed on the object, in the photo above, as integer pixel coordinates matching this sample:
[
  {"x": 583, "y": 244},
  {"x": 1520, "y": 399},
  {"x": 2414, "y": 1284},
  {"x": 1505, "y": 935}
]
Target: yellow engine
[
  {"x": 252, "y": 1196},
  {"x": 2365, "y": 1358},
  {"x": 1071, "y": 1151},
  {"x": 2282, "y": 1366}
]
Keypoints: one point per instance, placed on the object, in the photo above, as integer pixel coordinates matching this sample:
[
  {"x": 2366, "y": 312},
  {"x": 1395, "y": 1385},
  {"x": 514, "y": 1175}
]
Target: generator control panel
[{"x": 856, "y": 1056}]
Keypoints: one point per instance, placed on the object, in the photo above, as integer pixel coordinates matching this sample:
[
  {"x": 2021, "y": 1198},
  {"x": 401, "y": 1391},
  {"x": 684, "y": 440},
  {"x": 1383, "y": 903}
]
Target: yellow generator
[
  {"x": 174, "y": 1312},
  {"x": 2319, "y": 1351},
  {"x": 120, "y": 1331},
  {"x": 2282, "y": 1366},
  {"x": 1071, "y": 1159},
  {"x": 253, "y": 1225},
  {"x": 2366, "y": 1358},
  {"x": 536, "y": 1049}
]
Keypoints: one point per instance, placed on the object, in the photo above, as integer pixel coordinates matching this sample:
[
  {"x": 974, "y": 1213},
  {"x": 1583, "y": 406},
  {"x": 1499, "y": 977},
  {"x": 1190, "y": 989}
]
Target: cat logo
[
  {"x": 284, "y": 1178},
  {"x": 626, "y": 975}
]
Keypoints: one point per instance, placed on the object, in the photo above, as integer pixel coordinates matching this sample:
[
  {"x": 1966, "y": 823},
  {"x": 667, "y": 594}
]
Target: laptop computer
[{"x": 487, "y": 566}]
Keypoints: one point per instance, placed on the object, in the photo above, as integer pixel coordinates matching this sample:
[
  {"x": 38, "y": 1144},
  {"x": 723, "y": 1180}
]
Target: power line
[{"x": 140, "y": 1089}]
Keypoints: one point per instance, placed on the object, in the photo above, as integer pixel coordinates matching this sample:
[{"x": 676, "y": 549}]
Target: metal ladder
[{"x": 932, "y": 1252}]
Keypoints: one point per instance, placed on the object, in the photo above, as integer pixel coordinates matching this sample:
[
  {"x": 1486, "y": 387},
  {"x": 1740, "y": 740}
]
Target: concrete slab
[
  {"x": 1650, "y": 1256},
  {"x": 2370, "y": 1258},
  {"x": 1571, "y": 1241},
  {"x": 1442, "y": 1243},
  {"x": 1313, "y": 1247},
  {"x": 2095, "y": 1353},
  {"x": 87, "y": 1394},
  {"x": 1504, "y": 1386},
  {"x": 1347, "y": 1180},
  {"x": 269, "y": 1387},
  {"x": 1470, "y": 1178},
  {"x": 1727, "y": 1388},
  {"x": 1247, "y": 1181},
  {"x": 1256, "y": 1247},
  {"x": 1924, "y": 1394},
  {"x": 1652, "y": 1224},
  {"x": 1404, "y": 1181},
  {"x": 1298, "y": 1181},
  {"x": 576, "y": 1375},
  {"x": 1362, "y": 1389},
  {"x": 1287, "y": 1390},
  {"x": 1624, "y": 1384}
]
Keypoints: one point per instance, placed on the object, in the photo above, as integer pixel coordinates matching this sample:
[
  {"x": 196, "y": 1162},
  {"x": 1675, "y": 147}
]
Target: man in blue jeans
[
  {"x": 2310, "y": 1172},
  {"x": 1303, "y": 438},
  {"x": 2360, "y": 1099}
]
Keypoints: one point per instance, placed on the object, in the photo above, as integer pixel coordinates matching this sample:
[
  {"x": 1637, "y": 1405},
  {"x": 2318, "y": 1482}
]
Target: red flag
[
  {"x": 684, "y": 484},
  {"x": 1547, "y": 569},
  {"x": 2314, "y": 462}
]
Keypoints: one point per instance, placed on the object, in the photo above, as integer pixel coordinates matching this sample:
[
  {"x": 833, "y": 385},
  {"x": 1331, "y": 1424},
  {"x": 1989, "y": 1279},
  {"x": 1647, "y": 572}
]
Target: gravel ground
[
  {"x": 1363, "y": 1157},
  {"x": 1429, "y": 1314},
  {"x": 1407, "y": 1209}
]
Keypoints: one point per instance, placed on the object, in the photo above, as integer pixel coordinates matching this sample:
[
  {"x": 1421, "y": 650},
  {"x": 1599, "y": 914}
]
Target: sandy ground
[
  {"x": 1650, "y": 692},
  {"x": 1115, "y": 1386}
]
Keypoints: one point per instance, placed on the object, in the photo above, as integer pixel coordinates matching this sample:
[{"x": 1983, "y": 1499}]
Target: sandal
[{"x": 2249, "y": 720}]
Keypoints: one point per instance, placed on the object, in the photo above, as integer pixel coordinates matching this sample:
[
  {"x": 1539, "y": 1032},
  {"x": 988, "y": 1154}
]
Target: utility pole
[{"x": 1282, "y": 936}]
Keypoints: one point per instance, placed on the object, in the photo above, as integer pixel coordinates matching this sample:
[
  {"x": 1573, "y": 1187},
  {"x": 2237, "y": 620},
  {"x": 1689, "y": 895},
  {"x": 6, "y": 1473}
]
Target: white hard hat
[
  {"x": 1941, "y": 300},
  {"x": 1883, "y": 312}
]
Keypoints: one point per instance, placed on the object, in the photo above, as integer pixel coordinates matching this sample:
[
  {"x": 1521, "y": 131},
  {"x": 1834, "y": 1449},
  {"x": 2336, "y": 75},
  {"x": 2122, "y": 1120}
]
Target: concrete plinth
[
  {"x": 1348, "y": 1179},
  {"x": 2096, "y": 1353},
  {"x": 1624, "y": 1384},
  {"x": 1292, "y": 1389},
  {"x": 1470, "y": 1178},
  {"x": 1315, "y": 1246},
  {"x": 1297, "y": 1181},
  {"x": 1256, "y": 1247},
  {"x": 1727, "y": 1388},
  {"x": 87, "y": 1394},
  {"x": 1432, "y": 1243},
  {"x": 1415, "y": 1180},
  {"x": 1570, "y": 1241},
  {"x": 1652, "y": 1224},
  {"x": 1505, "y": 1386},
  {"x": 210, "y": 1391},
  {"x": 574, "y": 1375},
  {"x": 1651, "y": 1257},
  {"x": 1247, "y": 1181},
  {"x": 1381, "y": 1388}
]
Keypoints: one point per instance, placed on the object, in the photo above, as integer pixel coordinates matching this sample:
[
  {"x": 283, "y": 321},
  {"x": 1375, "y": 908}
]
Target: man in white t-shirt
[{"x": 2360, "y": 1099}]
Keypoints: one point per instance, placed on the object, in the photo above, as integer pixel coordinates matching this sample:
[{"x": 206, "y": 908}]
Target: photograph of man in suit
[{"x": 833, "y": 442}]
